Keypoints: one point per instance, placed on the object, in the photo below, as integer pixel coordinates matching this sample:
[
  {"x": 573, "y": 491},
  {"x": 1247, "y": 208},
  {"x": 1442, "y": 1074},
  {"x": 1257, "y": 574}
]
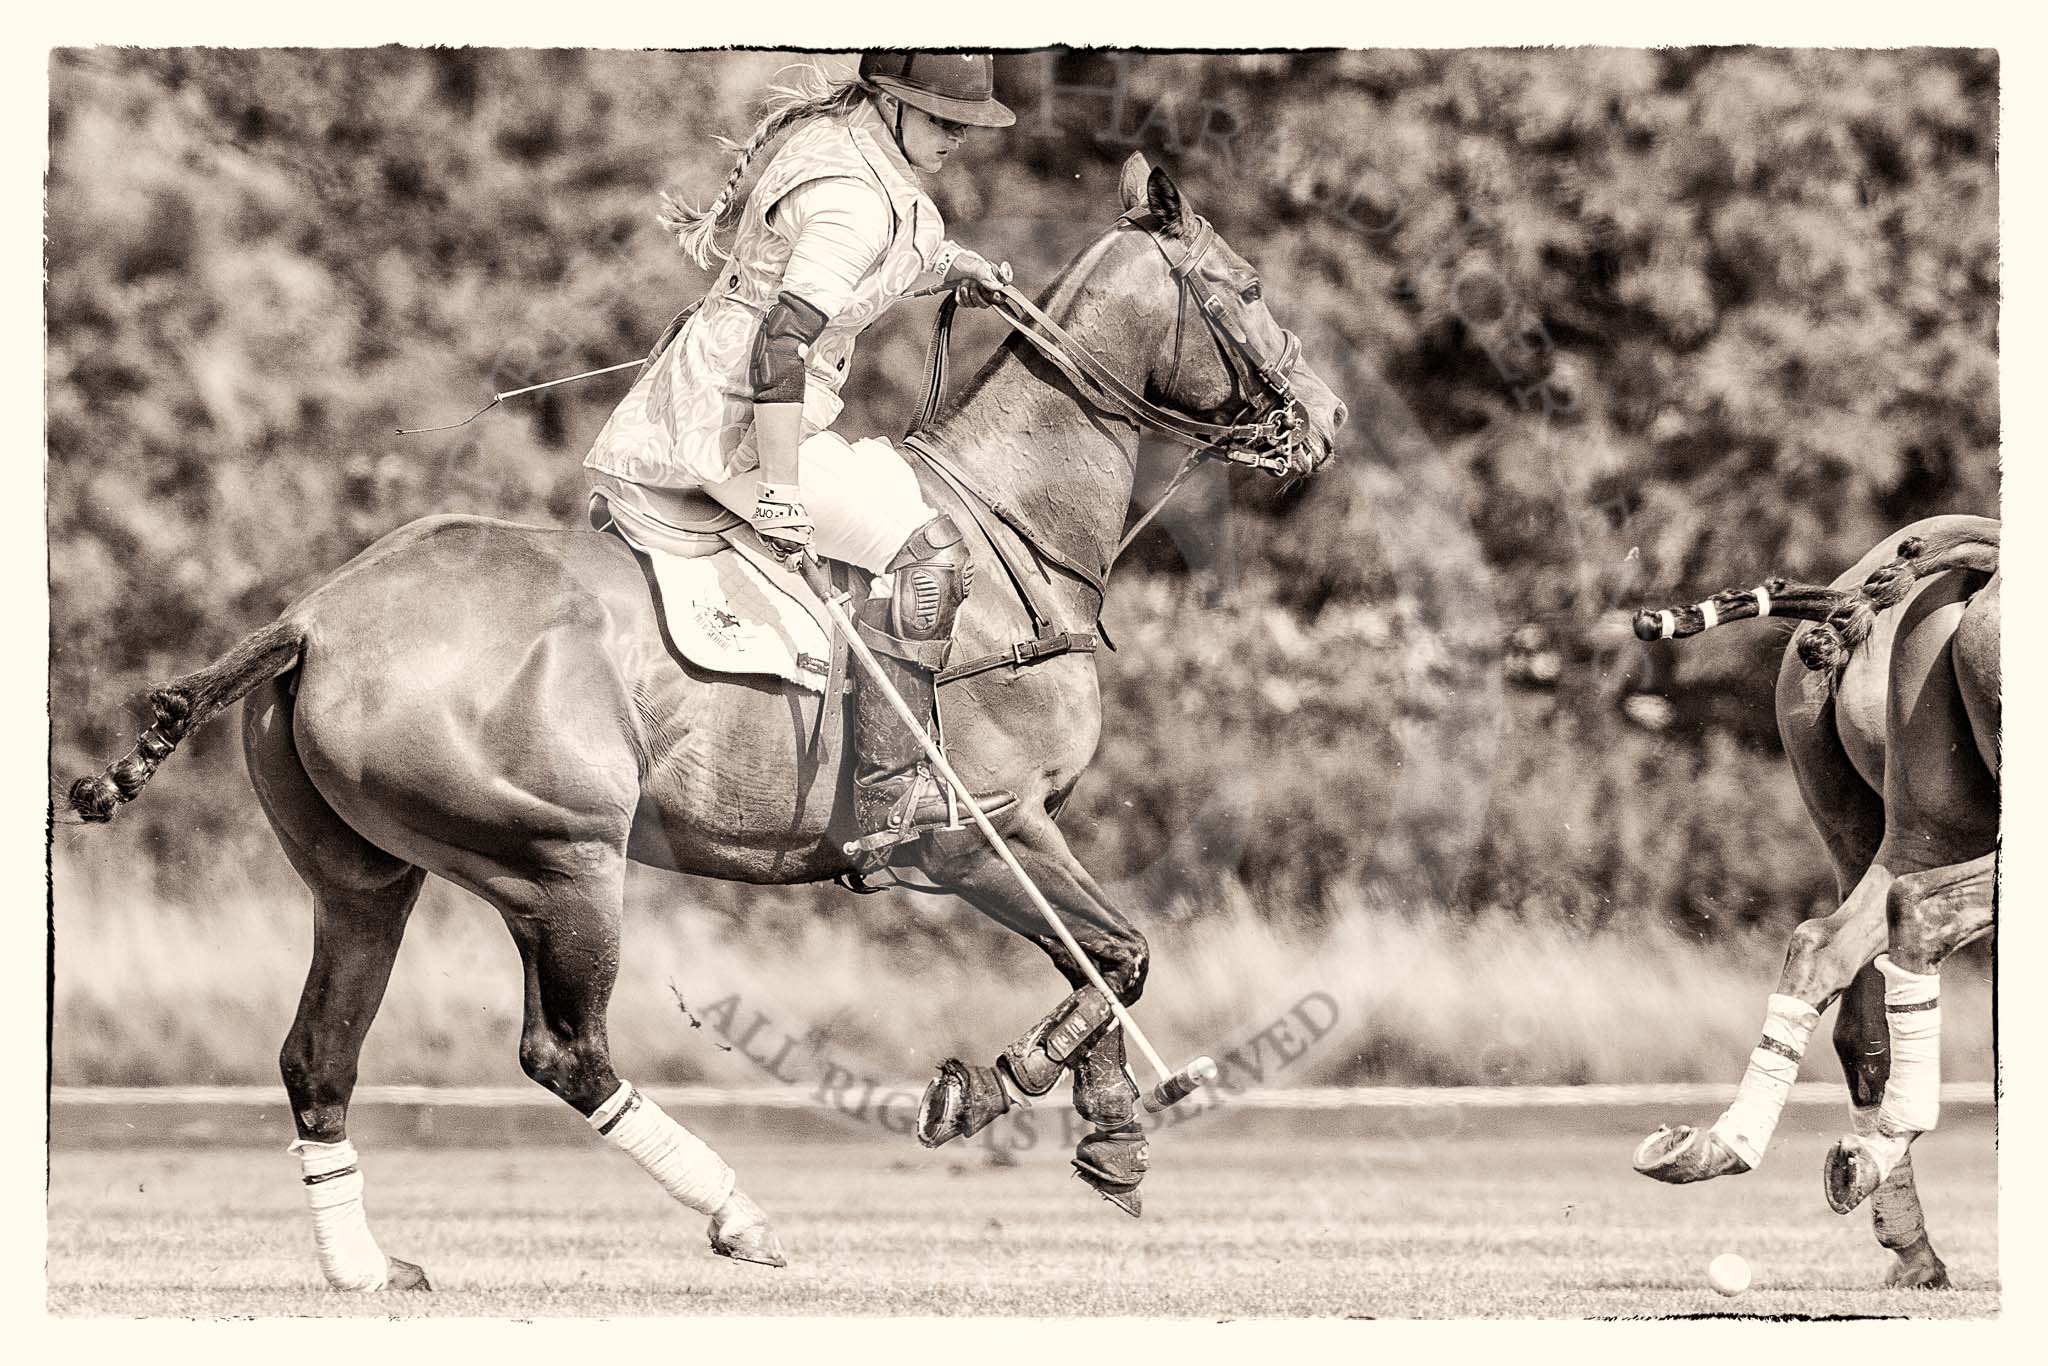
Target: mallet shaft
[{"x": 819, "y": 585}]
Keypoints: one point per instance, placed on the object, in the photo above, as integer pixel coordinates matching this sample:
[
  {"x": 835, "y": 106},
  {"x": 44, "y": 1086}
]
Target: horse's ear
[
  {"x": 1163, "y": 198},
  {"x": 1136, "y": 168}
]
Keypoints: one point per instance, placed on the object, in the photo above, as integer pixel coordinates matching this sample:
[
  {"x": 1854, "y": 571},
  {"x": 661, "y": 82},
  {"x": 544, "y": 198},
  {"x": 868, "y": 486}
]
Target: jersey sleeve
[{"x": 838, "y": 229}]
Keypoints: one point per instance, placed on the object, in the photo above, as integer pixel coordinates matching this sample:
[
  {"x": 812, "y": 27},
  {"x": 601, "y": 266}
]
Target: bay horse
[
  {"x": 1889, "y": 705},
  {"x": 494, "y": 703}
]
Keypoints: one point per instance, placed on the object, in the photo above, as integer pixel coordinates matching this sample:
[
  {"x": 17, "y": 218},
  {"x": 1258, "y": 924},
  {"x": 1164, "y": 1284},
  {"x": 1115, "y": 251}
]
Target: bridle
[
  {"x": 1269, "y": 419},
  {"x": 1269, "y": 429}
]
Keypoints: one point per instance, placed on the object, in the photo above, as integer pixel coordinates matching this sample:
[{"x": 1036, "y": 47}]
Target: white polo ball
[{"x": 1728, "y": 1273}]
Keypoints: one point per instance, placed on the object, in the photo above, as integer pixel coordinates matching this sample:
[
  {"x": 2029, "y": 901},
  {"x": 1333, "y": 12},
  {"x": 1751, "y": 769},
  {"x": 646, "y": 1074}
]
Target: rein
[
  {"x": 1256, "y": 443},
  {"x": 1261, "y": 443}
]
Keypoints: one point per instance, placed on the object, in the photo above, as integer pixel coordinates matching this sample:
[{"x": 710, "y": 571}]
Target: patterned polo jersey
[{"x": 689, "y": 418}]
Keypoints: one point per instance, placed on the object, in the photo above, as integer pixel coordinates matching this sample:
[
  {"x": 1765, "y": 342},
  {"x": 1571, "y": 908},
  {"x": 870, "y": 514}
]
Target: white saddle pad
[{"x": 727, "y": 616}]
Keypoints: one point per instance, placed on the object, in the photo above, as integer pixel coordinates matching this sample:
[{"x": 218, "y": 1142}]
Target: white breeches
[{"x": 861, "y": 494}]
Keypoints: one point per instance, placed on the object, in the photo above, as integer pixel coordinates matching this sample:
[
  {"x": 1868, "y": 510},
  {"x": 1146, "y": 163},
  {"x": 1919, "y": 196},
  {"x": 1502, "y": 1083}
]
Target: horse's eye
[{"x": 1250, "y": 293}]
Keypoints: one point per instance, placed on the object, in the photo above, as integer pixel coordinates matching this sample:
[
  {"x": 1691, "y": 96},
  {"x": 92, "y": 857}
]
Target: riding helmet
[{"x": 959, "y": 87}]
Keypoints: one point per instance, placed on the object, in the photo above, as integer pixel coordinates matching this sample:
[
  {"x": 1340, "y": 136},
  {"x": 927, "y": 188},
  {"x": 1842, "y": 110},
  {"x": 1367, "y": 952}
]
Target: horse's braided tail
[
  {"x": 182, "y": 706},
  {"x": 1829, "y": 647},
  {"x": 1771, "y": 598}
]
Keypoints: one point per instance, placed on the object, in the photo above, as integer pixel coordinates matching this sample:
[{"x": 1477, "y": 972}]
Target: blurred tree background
[{"x": 1617, "y": 327}]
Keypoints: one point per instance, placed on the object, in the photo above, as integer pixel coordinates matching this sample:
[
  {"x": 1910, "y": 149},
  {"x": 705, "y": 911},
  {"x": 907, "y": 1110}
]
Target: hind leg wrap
[
  {"x": 349, "y": 1255},
  {"x": 1747, "y": 1125},
  {"x": 680, "y": 1162},
  {"x": 1912, "y": 1006}
]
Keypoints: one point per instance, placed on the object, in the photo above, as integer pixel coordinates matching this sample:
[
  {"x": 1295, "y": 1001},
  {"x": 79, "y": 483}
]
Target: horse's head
[{"x": 1228, "y": 360}]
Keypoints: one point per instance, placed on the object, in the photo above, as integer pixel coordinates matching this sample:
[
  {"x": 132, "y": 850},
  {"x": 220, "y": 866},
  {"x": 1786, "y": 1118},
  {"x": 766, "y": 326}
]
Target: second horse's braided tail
[
  {"x": 1772, "y": 598},
  {"x": 1829, "y": 647}
]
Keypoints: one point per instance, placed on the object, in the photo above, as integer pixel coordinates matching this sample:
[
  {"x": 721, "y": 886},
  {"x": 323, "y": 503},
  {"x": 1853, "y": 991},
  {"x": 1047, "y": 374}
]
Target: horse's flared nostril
[{"x": 1338, "y": 414}]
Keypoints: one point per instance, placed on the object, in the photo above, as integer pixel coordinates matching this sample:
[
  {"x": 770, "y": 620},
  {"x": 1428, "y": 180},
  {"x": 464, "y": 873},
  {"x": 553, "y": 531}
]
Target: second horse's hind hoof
[
  {"x": 740, "y": 1231},
  {"x": 405, "y": 1276},
  {"x": 1925, "y": 1272},
  {"x": 1849, "y": 1174},
  {"x": 1682, "y": 1155}
]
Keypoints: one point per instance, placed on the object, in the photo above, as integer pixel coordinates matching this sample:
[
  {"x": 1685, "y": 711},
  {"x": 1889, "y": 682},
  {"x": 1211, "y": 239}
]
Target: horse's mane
[{"x": 1014, "y": 349}]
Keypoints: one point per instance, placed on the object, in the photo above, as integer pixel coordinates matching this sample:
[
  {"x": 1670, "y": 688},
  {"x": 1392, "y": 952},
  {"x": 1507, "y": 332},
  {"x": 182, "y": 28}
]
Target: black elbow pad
[{"x": 776, "y": 369}]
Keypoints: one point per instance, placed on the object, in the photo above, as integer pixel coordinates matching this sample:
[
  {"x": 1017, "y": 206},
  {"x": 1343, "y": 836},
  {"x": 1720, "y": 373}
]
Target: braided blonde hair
[{"x": 810, "y": 94}]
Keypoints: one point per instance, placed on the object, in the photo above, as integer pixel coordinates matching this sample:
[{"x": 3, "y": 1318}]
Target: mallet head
[{"x": 1181, "y": 1084}]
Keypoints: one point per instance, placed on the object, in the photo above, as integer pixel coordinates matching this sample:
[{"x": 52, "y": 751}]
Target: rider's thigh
[{"x": 862, "y": 496}]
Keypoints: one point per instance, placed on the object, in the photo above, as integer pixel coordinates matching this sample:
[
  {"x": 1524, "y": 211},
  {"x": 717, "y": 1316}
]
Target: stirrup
[
  {"x": 904, "y": 825},
  {"x": 782, "y": 520}
]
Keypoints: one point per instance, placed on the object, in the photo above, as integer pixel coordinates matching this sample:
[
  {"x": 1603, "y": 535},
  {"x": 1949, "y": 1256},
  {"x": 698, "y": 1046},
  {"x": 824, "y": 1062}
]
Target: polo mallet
[{"x": 1173, "y": 1086}]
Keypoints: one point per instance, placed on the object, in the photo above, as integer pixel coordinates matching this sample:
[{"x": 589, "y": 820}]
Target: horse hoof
[
  {"x": 1125, "y": 1198},
  {"x": 1849, "y": 1174},
  {"x": 740, "y": 1231},
  {"x": 1919, "y": 1273},
  {"x": 1113, "y": 1162},
  {"x": 1682, "y": 1155},
  {"x": 405, "y": 1276},
  {"x": 959, "y": 1102}
]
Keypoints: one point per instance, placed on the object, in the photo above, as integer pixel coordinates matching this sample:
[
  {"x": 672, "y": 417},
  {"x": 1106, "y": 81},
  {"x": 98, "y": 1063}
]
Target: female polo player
[{"x": 741, "y": 402}]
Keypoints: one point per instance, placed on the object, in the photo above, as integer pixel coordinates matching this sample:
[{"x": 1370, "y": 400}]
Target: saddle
[
  {"x": 731, "y": 606},
  {"x": 727, "y": 605}
]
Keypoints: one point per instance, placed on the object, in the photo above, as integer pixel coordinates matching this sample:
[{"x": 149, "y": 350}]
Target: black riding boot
[{"x": 897, "y": 796}]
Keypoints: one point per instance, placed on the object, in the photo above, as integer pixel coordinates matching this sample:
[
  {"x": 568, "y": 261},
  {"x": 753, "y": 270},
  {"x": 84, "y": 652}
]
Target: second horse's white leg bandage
[
  {"x": 349, "y": 1255},
  {"x": 1747, "y": 1125},
  {"x": 1912, "y": 1014},
  {"x": 682, "y": 1162}
]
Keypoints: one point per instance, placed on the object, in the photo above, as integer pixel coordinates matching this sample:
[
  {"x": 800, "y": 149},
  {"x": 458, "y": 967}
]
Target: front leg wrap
[
  {"x": 1114, "y": 1158},
  {"x": 963, "y": 1099}
]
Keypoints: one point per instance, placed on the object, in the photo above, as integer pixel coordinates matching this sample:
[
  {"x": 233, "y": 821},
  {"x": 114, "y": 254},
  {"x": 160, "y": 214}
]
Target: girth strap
[{"x": 1024, "y": 652}]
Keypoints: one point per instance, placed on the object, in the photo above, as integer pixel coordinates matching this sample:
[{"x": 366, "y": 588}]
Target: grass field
[{"x": 1432, "y": 1213}]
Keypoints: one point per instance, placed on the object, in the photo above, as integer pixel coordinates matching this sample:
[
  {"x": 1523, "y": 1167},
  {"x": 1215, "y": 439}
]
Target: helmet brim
[{"x": 988, "y": 113}]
